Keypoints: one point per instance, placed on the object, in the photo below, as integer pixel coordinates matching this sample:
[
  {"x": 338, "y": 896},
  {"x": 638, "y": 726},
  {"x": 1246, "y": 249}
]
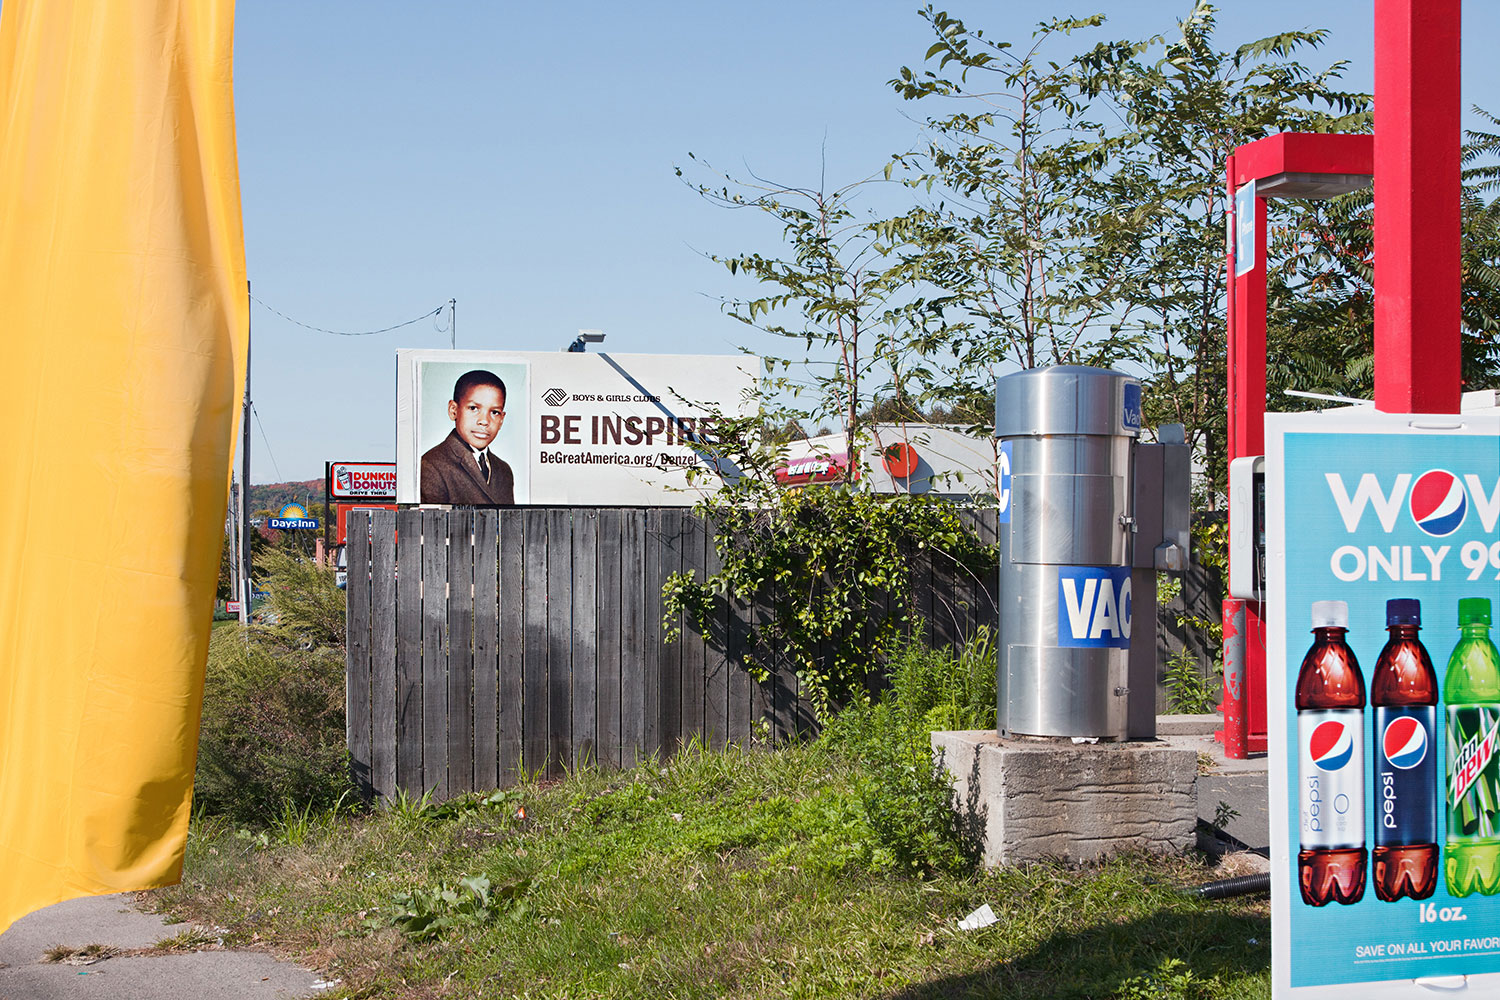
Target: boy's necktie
[{"x": 484, "y": 467}]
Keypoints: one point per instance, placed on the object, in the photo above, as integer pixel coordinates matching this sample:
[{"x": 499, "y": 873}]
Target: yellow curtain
[{"x": 123, "y": 326}]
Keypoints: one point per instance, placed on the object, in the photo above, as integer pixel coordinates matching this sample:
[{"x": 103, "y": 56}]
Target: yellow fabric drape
[{"x": 123, "y": 327}]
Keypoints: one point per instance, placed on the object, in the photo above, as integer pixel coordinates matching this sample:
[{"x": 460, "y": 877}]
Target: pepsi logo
[
  {"x": 1332, "y": 745},
  {"x": 1438, "y": 502},
  {"x": 1404, "y": 742}
]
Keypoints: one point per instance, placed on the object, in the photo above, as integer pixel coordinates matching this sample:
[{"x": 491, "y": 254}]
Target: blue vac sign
[{"x": 1093, "y": 606}]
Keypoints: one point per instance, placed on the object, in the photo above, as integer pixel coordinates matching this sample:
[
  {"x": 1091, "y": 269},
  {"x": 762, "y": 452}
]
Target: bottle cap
[
  {"x": 1330, "y": 614},
  {"x": 1473, "y": 611},
  {"x": 1403, "y": 611}
]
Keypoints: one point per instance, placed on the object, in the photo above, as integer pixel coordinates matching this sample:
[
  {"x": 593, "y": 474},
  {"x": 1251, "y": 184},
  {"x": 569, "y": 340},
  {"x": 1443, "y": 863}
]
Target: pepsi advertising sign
[{"x": 1383, "y": 702}]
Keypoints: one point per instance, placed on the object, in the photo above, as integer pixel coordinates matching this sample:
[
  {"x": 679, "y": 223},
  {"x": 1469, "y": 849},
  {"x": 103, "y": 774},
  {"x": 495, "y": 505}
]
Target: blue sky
[{"x": 519, "y": 159}]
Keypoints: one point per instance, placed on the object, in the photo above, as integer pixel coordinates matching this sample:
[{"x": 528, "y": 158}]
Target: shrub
[
  {"x": 834, "y": 568},
  {"x": 907, "y": 800},
  {"x": 272, "y": 729},
  {"x": 306, "y": 603}
]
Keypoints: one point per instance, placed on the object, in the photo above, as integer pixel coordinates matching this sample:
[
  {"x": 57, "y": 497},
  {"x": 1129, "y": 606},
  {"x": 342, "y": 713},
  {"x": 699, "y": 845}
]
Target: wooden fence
[{"x": 485, "y": 642}]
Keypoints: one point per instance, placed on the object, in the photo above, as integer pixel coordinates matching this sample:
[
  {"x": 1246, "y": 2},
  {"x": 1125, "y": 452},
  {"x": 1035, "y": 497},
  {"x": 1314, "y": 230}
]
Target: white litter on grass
[
  {"x": 982, "y": 917},
  {"x": 325, "y": 984},
  {"x": 1085, "y": 739}
]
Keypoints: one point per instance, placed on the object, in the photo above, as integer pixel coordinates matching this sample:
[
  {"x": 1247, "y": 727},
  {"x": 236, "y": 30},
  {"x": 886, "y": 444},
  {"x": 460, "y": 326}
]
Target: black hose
[{"x": 1225, "y": 888}]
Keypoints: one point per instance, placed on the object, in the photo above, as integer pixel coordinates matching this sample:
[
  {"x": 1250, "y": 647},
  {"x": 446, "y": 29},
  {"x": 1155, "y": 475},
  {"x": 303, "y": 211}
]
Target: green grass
[{"x": 744, "y": 873}]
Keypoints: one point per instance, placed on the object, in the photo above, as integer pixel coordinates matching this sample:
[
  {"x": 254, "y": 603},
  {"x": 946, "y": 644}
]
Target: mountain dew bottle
[{"x": 1471, "y": 690}]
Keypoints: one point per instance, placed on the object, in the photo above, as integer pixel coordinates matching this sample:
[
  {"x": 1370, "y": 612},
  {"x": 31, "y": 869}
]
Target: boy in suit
[{"x": 462, "y": 470}]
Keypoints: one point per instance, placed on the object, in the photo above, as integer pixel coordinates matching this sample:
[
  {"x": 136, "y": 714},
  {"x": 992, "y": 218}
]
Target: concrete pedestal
[{"x": 1034, "y": 799}]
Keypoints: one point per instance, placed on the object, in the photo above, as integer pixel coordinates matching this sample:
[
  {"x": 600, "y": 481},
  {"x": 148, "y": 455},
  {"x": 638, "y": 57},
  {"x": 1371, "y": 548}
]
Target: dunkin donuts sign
[{"x": 362, "y": 480}]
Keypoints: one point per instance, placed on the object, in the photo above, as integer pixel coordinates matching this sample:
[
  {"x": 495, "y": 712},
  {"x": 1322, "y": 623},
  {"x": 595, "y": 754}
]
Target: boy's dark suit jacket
[{"x": 450, "y": 475}]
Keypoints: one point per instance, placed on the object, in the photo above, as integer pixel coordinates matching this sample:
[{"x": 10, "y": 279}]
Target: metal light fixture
[{"x": 584, "y": 338}]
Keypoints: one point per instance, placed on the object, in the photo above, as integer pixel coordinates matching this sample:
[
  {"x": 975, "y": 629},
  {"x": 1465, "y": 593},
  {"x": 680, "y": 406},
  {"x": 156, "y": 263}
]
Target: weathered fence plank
[
  {"x": 763, "y": 692},
  {"x": 668, "y": 654},
  {"x": 560, "y": 641},
  {"x": 691, "y": 719},
  {"x": 634, "y": 620},
  {"x": 534, "y": 719},
  {"x": 652, "y": 737},
  {"x": 584, "y": 674},
  {"x": 435, "y": 652},
  {"x": 607, "y": 644},
  {"x": 460, "y": 679},
  {"x": 357, "y": 624},
  {"x": 784, "y": 688},
  {"x": 486, "y": 718},
  {"x": 512, "y": 642},
  {"x": 717, "y": 709},
  {"x": 742, "y": 687},
  {"x": 382, "y": 660},
  {"x": 409, "y": 651}
]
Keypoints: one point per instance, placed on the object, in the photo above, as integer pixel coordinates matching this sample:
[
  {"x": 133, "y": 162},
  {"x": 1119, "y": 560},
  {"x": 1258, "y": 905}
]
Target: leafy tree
[
  {"x": 1321, "y": 298},
  {"x": 1069, "y": 208},
  {"x": 1018, "y": 223},
  {"x": 1187, "y": 112},
  {"x": 843, "y": 291},
  {"x": 1082, "y": 206},
  {"x": 1480, "y": 308}
]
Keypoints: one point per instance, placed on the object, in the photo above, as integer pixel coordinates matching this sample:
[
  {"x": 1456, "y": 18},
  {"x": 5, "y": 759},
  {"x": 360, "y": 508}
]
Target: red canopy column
[{"x": 1417, "y": 217}]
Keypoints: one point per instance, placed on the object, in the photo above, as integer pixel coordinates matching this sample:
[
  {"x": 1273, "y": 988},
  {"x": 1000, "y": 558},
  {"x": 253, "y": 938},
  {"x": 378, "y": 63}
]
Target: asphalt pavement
[{"x": 135, "y": 968}]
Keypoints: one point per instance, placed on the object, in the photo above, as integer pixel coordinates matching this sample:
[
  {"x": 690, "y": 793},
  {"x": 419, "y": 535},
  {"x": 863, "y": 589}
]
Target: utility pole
[
  {"x": 242, "y": 496},
  {"x": 327, "y": 508},
  {"x": 453, "y": 324},
  {"x": 232, "y": 529}
]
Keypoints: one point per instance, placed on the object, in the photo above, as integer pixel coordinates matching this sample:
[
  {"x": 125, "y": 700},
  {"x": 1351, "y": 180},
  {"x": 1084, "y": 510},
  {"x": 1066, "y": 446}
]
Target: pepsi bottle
[
  {"x": 1403, "y": 696},
  {"x": 1330, "y": 704}
]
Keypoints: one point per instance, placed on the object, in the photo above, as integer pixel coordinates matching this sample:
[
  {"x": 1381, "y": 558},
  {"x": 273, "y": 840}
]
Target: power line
[
  {"x": 346, "y": 333},
  {"x": 256, "y": 411}
]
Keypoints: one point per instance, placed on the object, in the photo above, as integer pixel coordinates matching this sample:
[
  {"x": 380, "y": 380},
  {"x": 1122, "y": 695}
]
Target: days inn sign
[{"x": 293, "y": 515}]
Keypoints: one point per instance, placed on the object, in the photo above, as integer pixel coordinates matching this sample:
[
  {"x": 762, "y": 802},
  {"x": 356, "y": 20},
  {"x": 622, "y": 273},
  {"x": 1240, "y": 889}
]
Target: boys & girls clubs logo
[{"x": 293, "y": 515}]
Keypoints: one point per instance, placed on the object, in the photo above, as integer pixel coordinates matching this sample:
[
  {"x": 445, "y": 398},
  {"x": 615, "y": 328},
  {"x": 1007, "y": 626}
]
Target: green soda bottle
[{"x": 1471, "y": 690}]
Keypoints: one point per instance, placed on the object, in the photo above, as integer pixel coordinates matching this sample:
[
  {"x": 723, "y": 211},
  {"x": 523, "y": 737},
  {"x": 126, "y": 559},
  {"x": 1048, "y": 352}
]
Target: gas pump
[{"x": 1290, "y": 165}]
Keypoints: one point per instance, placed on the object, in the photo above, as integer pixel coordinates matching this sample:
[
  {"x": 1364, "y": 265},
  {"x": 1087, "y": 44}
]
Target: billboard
[
  {"x": 1383, "y": 702},
  {"x": 362, "y": 480},
  {"x": 495, "y": 428}
]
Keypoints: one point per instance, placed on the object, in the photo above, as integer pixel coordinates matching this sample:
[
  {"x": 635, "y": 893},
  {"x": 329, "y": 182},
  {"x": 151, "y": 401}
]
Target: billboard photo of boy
[{"x": 462, "y": 469}]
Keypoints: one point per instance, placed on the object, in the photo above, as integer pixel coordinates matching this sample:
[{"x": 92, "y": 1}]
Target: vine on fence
[
  {"x": 834, "y": 567},
  {"x": 1193, "y": 687}
]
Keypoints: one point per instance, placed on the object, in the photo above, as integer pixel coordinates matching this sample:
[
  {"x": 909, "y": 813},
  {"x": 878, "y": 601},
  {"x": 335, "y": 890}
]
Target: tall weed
[
  {"x": 272, "y": 740},
  {"x": 907, "y": 800}
]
